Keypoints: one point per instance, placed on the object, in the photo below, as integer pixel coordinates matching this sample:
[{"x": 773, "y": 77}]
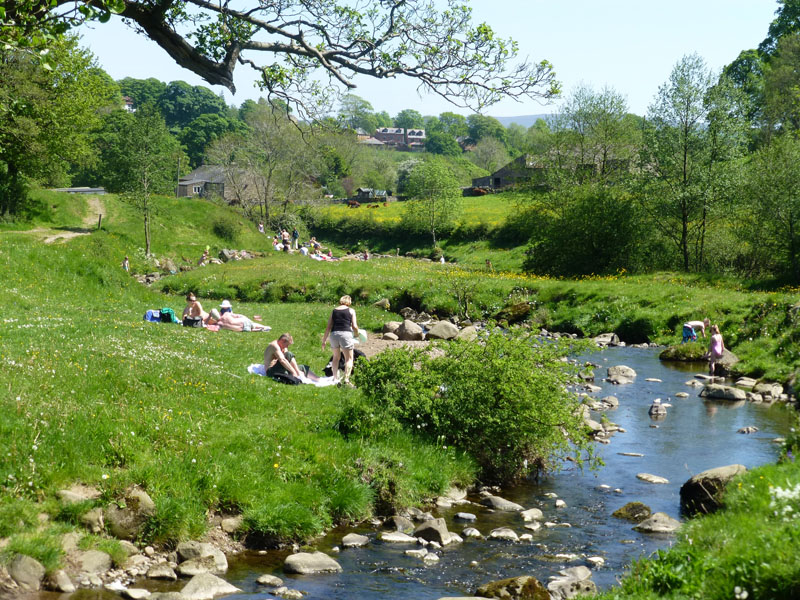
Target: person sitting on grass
[
  {"x": 278, "y": 360},
  {"x": 194, "y": 309},
  {"x": 690, "y": 330},
  {"x": 235, "y": 322}
]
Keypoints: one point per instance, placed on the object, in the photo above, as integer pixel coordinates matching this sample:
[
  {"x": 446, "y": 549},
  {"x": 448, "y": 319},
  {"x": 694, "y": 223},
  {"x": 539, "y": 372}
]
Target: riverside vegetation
[{"x": 95, "y": 395}]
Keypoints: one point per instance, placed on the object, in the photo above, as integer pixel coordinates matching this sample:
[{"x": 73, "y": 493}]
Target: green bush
[
  {"x": 226, "y": 229},
  {"x": 503, "y": 401}
]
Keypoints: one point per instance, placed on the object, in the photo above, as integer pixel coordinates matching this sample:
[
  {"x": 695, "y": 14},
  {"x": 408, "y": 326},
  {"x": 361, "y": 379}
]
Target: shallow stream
[{"x": 696, "y": 434}]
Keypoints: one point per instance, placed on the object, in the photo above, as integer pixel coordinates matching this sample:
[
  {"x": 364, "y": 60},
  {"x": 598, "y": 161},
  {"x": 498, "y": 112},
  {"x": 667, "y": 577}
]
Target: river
[{"x": 696, "y": 435}]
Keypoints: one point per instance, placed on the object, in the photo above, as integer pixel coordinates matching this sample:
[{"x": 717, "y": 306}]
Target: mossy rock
[
  {"x": 691, "y": 352},
  {"x": 514, "y": 313},
  {"x": 635, "y": 512},
  {"x": 516, "y": 588}
]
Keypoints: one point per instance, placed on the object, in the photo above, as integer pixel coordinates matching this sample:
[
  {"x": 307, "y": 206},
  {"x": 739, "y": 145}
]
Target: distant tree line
[{"x": 704, "y": 181}]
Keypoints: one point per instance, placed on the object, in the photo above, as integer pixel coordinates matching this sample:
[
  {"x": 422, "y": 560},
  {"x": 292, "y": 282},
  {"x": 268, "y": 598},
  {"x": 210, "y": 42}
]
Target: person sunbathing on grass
[
  {"x": 278, "y": 360},
  {"x": 235, "y": 322}
]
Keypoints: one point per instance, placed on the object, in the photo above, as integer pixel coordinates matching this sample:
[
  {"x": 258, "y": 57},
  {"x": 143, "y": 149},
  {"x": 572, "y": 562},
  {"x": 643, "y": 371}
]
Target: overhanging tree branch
[{"x": 292, "y": 44}]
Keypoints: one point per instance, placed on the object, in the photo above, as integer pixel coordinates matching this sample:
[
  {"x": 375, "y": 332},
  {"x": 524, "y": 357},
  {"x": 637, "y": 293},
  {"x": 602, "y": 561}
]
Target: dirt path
[{"x": 96, "y": 207}]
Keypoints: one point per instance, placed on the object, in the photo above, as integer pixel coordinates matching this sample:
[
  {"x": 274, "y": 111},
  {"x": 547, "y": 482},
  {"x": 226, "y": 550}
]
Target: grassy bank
[
  {"x": 760, "y": 327},
  {"x": 96, "y": 395}
]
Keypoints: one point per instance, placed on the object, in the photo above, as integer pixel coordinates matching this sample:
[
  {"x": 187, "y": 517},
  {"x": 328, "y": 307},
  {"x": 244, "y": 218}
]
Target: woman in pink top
[{"x": 715, "y": 349}]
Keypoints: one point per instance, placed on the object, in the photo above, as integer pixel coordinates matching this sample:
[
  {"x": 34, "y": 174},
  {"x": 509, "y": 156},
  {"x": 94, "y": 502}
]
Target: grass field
[
  {"x": 491, "y": 210},
  {"x": 95, "y": 395}
]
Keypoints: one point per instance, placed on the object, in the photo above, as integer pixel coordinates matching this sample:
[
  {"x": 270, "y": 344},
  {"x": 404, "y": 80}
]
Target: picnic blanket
[{"x": 258, "y": 369}]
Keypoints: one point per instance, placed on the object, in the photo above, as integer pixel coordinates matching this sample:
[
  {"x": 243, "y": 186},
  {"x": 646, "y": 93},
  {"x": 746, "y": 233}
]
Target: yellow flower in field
[{"x": 275, "y": 465}]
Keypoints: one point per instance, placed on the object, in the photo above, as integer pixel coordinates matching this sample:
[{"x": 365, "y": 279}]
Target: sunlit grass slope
[{"x": 93, "y": 394}]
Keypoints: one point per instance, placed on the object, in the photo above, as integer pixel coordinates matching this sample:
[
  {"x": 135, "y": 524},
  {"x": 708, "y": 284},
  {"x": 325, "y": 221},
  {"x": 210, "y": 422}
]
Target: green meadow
[{"x": 95, "y": 395}]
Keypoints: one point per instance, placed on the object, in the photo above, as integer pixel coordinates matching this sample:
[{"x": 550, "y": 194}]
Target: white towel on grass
[{"x": 258, "y": 369}]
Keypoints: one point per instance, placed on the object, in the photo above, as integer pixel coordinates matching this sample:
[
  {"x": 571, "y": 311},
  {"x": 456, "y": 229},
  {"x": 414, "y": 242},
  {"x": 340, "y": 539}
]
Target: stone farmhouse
[
  {"x": 400, "y": 138},
  {"x": 204, "y": 181}
]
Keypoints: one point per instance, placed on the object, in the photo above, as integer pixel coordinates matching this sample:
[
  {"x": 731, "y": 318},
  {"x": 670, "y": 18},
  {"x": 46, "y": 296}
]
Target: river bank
[{"x": 695, "y": 435}]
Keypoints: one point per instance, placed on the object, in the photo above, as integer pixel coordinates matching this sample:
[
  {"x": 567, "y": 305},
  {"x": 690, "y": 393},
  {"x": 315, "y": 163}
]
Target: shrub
[
  {"x": 226, "y": 229},
  {"x": 503, "y": 401}
]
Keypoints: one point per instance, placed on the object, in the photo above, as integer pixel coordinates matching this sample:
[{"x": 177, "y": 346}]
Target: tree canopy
[{"x": 306, "y": 50}]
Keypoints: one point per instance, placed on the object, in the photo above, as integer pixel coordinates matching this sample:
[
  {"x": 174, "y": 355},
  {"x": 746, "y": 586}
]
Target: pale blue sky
[{"x": 629, "y": 45}]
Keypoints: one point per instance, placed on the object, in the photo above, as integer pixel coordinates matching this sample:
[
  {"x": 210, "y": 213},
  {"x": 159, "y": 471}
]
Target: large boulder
[
  {"x": 433, "y": 531},
  {"x": 768, "y": 389},
  {"x": 524, "y": 587},
  {"x": 125, "y": 519},
  {"x": 354, "y": 540},
  {"x": 606, "y": 339},
  {"x": 703, "y": 492},
  {"x": 94, "y": 561},
  {"x": 468, "y": 334},
  {"x": 658, "y": 523},
  {"x": 391, "y": 326},
  {"x": 498, "y": 503},
  {"x": 622, "y": 371},
  {"x": 207, "y": 587},
  {"x": 442, "y": 330},
  {"x": 723, "y": 392},
  {"x": 725, "y": 364},
  {"x": 399, "y": 523},
  {"x": 514, "y": 313},
  {"x": 409, "y": 332},
  {"x": 309, "y": 563},
  {"x": 26, "y": 572},
  {"x": 202, "y": 557}
]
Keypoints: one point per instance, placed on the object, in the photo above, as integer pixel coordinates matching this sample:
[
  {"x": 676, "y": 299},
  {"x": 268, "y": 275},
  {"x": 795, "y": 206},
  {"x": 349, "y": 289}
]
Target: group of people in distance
[
  {"x": 716, "y": 346},
  {"x": 224, "y": 317}
]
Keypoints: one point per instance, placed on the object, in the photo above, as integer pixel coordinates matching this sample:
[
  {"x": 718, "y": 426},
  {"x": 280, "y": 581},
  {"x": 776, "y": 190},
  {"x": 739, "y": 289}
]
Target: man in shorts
[{"x": 278, "y": 360}]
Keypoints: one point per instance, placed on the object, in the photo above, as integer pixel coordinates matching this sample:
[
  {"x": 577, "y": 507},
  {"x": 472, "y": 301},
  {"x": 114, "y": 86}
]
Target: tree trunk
[{"x": 146, "y": 229}]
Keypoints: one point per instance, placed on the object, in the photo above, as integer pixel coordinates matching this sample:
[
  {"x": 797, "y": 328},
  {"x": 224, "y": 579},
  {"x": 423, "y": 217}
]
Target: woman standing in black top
[{"x": 342, "y": 326}]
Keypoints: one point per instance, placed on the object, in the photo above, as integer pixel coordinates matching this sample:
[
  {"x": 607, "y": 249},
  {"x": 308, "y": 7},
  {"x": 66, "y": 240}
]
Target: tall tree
[
  {"x": 47, "y": 116},
  {"x": 454, "y": 124},
  {"x": 785, "y": 23},
  {"x": 481, "y": 127},
  {"x": 772, "y": 191},
  {"x": 142, "y": 91},
  {"x": 692, "y": 128},
  {"x": 181, "y": 103},
  {"x": 145, "y": 162},
  {"x": 305, "y": 50},
  {"x": 782, "y": 85},
  {"x": 202, "y": 131},
  {"x": 489, "y": 154},
  {"x": 357, "y": 113},
  {"x": 435, "y": 197},
  {"x": 409, "y": 119}
]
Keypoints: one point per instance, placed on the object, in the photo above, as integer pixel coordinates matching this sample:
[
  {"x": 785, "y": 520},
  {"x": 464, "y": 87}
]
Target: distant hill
[{"x": 524, "y": 120}]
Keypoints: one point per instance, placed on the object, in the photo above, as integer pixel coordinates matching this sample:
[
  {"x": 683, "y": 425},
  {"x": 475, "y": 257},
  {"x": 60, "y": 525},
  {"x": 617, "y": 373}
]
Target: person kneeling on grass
[{"x": 279, "y": 361}]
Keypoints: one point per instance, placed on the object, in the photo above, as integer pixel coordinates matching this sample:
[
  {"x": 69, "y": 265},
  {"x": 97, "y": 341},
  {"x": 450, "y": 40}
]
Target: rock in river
[
  {"x": 658, "y": 523},
  {"x": 305, "y": 563},
  {"x": 498, "y": 503},
  {"x": 703, "y": 492},
  {"x": 651, "y": 478}
]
